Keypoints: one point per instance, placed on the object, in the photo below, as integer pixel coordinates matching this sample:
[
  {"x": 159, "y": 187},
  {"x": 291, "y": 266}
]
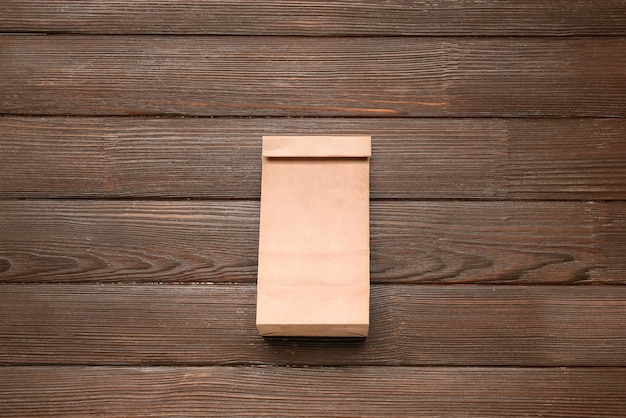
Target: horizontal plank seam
[
  {"x": 286, "y": 366},
  {"x": 373, "y": 283},
  {"x": 166, "y": 116},
  {"x": 328, "y": 35},
  {"x": 101, "y": 285},
  {"x": 183, "y": 199},
  {"x": 237, "y": 117}
]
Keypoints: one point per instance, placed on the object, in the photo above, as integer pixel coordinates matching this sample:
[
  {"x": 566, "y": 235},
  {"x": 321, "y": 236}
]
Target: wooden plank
[
  {"x": 364, "y": 17},
  {"x": 272, "y": 391},
  {"x": 410, "y": 325},
  {"x": 219, "y": 158},
  {"x": 286, "y": 76},
  {"x": 583, "y": 159},
  {"x": 611, "y": 224},
  {"x": 411, "y": 242}
]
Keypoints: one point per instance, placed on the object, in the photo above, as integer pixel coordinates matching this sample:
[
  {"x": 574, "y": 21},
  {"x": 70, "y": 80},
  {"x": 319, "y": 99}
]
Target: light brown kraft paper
[{"x": 314, "y": 237}]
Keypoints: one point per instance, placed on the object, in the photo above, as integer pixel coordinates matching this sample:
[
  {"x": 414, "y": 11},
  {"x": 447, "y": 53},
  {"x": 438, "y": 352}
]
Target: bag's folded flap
[{"x": 335, "y": 146}]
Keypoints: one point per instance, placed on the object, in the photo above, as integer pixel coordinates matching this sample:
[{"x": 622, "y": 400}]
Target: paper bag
[{"x": 313, "y": 275}]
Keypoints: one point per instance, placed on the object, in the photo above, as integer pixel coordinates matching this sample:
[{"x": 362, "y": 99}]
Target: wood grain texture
[
  {"x": 410, "y": 325},
  {"x": 363, "y": 17},
  {"x": 581, "y": 159},
  {"x": 326, "y": 392},
  {"x": 411, "y": 242},
  {"x": 286, "y": 76},
  {"x": 219, "y": 158}
]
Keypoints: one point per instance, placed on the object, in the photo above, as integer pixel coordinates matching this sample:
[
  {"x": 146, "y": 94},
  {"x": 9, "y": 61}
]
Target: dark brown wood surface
[
  {"x": 213, "y": 324},
  {"x": 129, "y": 186},
  {"x": 279, "y": 391},
  {"x": 286, "y": 76},
  {"x": 362, "y": 17},
  {"x": 411, "y": 242},
  {"x": 219, "y": 158}
]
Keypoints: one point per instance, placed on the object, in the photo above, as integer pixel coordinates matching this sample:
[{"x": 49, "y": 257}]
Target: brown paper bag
[{"x": 314, "y": 236}]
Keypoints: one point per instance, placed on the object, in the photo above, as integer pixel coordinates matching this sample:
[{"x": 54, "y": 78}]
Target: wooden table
[{"x": 130, "y": 138}]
